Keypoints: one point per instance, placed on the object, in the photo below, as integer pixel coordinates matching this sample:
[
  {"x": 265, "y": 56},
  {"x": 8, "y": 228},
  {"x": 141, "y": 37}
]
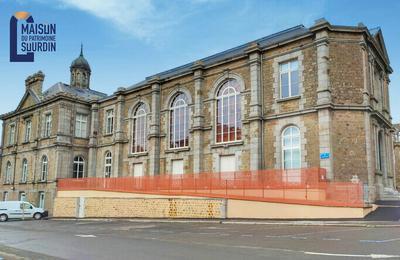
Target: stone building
[{"x": 302, "y": 97}]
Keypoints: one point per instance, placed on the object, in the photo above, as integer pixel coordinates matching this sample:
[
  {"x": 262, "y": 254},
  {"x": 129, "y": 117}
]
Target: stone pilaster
[
  {"x": 389, "y": 155},
  {"x": 65, "y": 118},
  {"x": 323, "y": 90},
  {"x": 198, "y": 118},
  {"x": 255, "y": 117},
  {"x": 154, "y": 136},
  {"x": 94, "y": 126},
  {"x": 324, "y": 100},
  {"x": 367, "y": 121},
  {"x": 3, "y": 134},
  {"x": 119, "y": 134}
]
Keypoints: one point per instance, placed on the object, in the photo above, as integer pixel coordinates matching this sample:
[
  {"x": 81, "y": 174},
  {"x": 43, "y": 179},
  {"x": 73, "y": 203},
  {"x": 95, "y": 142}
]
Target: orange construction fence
[{"x": 298, "y": 186}]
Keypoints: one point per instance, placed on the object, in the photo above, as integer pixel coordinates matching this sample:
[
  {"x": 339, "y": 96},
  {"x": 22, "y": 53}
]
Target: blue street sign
[{"x": 324, "y": 155}]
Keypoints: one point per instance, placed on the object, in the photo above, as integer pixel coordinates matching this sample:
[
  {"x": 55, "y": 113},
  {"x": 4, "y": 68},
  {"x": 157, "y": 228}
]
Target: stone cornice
[{"x": 45, "y": 102}]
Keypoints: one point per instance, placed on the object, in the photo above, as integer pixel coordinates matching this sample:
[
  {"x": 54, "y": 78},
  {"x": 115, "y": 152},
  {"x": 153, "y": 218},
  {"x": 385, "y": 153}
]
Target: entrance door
[
  {"x": 177, "y": 167},
  {"x": 138, "y": 170}
]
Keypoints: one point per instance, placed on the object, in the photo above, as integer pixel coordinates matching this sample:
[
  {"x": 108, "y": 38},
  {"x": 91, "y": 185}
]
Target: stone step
[{"x": 390, "y": 198}]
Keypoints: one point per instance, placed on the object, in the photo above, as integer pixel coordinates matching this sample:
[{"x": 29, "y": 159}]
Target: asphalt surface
[
  {"x": 123, "y": 239},
  {"x": 386, "y": 211}
]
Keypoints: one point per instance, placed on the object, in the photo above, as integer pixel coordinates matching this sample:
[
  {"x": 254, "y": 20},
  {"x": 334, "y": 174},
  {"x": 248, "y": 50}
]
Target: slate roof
[
  {"x": 264, "y": 42},
  {"x": 85, "y": 94}
]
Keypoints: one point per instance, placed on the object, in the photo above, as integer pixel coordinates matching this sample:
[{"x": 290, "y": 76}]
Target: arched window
[
  {"x": 229, "y": 121},
  {"x": 45, "y": 168},
  {"x": 79, "y": 167},
  {"x": 139, "y": 130},
  {"x": 179, "y": 119},
  {"x": 24, "y": 175},
  {"x": 7, "y": 177},
  {"x": 291, "y": 148},
  {"x": 108, "y": 165}
]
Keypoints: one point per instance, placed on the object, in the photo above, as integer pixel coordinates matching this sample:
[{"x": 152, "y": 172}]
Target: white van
[{"x": 20, "y": 209}]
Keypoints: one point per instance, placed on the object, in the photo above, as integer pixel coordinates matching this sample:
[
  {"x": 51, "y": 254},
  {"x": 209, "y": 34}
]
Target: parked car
[{"x": 20, "y": 210}]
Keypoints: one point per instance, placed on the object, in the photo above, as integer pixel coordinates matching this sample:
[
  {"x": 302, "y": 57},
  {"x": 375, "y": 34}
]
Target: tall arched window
[
  {"x": 7, "y": 177},
  {"x": 179, "y": 119},
  {"x": 79, "y": 167},
  {"x": 291, "y": 148},
  {"x": 229, "y": 120},
  {"x": 108, "y": 165},
  {"x": 45, "y": 168},
  {"x": 139, "y": 129},
  {"x": 24, "y": 175}
]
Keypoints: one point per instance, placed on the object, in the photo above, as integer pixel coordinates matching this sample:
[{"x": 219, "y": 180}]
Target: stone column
[
  {"x": 198, "y": 118},
  {"x": 154, "y": 135},
  {"x": 324, "y": 101},
  {"x": 255, "y": 115},
  {"x": 119, "y": 137},
  {"x": 94, "y": 126}
]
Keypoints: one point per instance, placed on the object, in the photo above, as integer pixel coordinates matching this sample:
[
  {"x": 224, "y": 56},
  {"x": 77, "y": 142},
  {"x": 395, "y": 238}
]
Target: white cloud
[{"x": 140, "y": 18}]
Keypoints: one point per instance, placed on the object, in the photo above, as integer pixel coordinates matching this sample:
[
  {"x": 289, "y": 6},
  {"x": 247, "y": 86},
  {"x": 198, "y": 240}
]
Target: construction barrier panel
[{"x": 306, "y": 186}]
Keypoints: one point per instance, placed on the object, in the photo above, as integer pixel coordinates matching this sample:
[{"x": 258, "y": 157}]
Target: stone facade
[
  {"x": 341, "y": 111},
  {"x": 139, "y": 208}
]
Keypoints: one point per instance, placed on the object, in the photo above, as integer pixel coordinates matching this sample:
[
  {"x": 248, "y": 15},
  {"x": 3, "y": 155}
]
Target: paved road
[{"x": 70, "y": 239}]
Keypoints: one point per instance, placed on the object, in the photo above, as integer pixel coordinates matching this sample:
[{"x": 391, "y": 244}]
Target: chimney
[{"x": 35, "y": 82}]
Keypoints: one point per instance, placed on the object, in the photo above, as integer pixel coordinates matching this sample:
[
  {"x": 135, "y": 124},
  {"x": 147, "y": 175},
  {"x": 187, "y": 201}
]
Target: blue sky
[{"x": 128, "y": 40}]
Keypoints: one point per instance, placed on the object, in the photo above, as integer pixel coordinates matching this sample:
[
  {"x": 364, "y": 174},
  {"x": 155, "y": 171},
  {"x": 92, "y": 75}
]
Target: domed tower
[{"x": 80, "y": 72}]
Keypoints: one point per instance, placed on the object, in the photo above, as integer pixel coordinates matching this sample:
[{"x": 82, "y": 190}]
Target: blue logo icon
[{"x": 33, "y": 37}]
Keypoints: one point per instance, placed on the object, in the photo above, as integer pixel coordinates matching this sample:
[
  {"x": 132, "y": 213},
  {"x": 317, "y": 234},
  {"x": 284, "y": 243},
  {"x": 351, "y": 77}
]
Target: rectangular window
[
  {"x": 47, "y": 125},
  {"x": 24, "y": 175},
  {"x": 5, "y": 196},
  {"x": 289, "y": 79},
  {"x": 227, "y": 166},
  {"x": 138, "y": 170},
  {"x": 28, "y": 130},
  {"x": 11, "y": 134},
  {"x": 81, "y": 125},
  {"x": 109, "y": 121},
  {"x": 177, "y": 167},
  {"x": 41, "y": 199}
]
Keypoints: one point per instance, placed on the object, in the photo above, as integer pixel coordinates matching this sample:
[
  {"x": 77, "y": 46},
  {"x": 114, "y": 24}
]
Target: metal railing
[{"x": 306, "y": 186}]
